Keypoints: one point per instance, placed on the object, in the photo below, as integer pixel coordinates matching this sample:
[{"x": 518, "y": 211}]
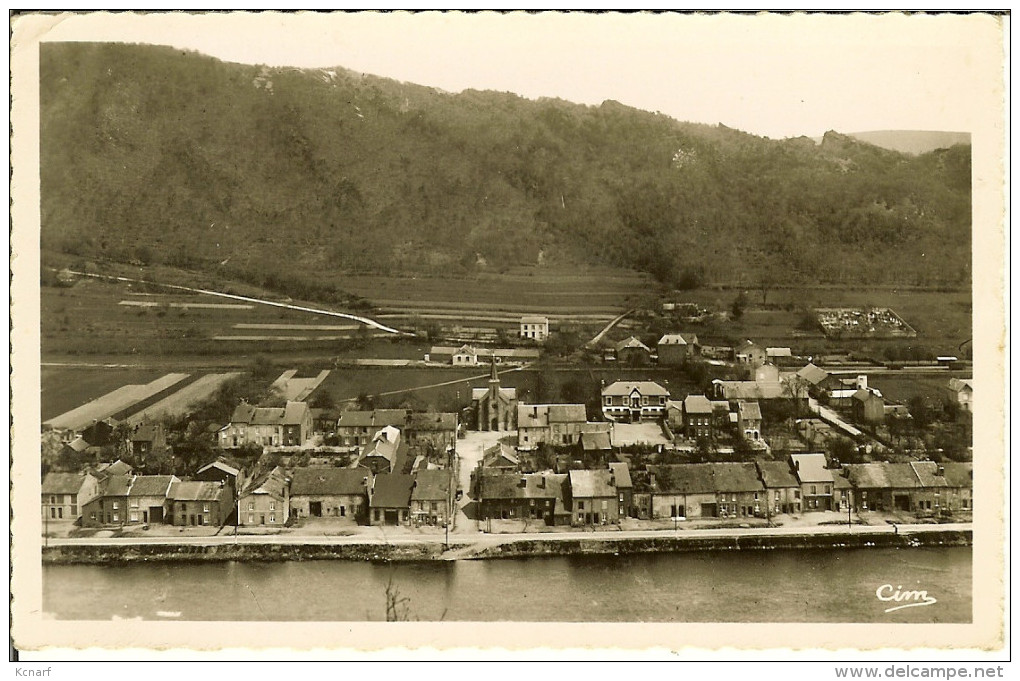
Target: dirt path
[
  {"x": 364, "y": 320},
  {"x": 594, "y": 341}
]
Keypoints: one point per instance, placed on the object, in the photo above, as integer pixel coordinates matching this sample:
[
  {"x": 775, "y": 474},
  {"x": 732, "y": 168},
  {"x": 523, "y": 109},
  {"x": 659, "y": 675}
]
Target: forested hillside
[{"x": 156, "y": 155}]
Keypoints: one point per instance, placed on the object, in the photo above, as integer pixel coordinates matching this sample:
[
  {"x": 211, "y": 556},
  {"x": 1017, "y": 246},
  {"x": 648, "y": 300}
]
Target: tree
[
  {"x": 261, "y": 368},
  {"x": 919, "y": 409},
  {"x": 739, "y": 305},
  {"x": 323, "y": 399}
]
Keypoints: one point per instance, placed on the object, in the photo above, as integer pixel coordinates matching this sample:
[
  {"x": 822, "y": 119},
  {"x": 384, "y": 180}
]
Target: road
[
  {"x": 594, "y": 341},
  {"x": 480, "y": 540}
]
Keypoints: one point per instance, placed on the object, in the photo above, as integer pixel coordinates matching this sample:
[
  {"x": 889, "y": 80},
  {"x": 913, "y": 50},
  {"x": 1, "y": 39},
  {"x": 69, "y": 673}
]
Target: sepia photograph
[{"x": 541, "y": 330}]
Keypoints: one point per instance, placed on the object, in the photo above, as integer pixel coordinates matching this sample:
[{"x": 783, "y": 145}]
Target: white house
[{"x": 535, "y": 328}]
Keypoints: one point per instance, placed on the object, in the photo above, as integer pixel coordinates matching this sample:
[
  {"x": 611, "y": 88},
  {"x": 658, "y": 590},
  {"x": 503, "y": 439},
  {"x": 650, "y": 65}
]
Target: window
[
  {"x": 251, "y": 518},
  {"x": 53, "y": 500},
  {"x": 377, "y": 514},
  {"x": 343, "y": 511},
  {"x": 116, "y": 505},
  {"x": 272, "y": 505},
  {"x": 116, "y": 517},
  {"x": 756, "y": 496},
  {"x": 184, "y": 507},
  {"x": 796, "y": 494},
  {"x": 580, "y": 506},
  {"x": 609, "y": 400},
  {"x": 134, "y": 516},
  {"x": 92, "y": 516},
  {"x": 828, "y": 489},
  {"x": 53, "y": 512},
  {"x": 644, "y": 399},
  {"x": 205, "y": 508},
  {"x": 251, "y": 506},
  {"x": 814, "y": 489},
  {"x": 272, "y": 518},
  {"x": 134, "y": 503}
]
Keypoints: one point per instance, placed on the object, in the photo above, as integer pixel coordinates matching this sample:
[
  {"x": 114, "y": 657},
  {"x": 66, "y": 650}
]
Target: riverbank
[{"x": 492, "y": 547}]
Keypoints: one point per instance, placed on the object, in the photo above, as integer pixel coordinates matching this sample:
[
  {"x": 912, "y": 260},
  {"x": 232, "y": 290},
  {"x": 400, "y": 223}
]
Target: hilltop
[
  {"x": 154, "y": 155},
  {"x": 913, "y": 141}
]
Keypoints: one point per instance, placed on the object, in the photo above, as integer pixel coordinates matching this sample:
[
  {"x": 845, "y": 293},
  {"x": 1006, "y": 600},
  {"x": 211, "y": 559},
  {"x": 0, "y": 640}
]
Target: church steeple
[{"x": 493, "y": 376}]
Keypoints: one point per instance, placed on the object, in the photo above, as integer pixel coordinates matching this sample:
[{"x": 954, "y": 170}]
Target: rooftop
[
  {"x": 151, "y": 485},
  {"x": 624, "y": 388},
  {"x": 327, "y": 480},
  {"x": 391, "y": 490},
  {"x": 431, "y": 485},
  {"x": 697, "y": 404},
  {"x": 198, "y": 491},
  {"x": 811, "y": 468},
  {"x": 62, "y": 483}
]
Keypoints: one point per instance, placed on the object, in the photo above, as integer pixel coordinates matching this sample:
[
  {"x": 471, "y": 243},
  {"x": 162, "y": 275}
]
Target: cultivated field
[
  {"x": 902, "y": 387},
  {"x": 113, "y": 403},
  {"x": 65, "y": 388},
  {"x": 181, "y": 402}
]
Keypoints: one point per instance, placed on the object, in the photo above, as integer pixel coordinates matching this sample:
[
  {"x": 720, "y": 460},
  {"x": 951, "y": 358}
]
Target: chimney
[
  {"x": 796, "y": 464},
  {"x": 941, "y": 471}
]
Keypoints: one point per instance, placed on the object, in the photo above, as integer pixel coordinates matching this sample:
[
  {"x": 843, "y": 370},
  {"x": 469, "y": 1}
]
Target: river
[{"x": 750, "y": 586}]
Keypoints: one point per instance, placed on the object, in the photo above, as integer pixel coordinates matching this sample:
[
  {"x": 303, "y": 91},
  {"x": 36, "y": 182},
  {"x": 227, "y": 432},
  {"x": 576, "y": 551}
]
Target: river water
[{"x": 750, "y": 586}]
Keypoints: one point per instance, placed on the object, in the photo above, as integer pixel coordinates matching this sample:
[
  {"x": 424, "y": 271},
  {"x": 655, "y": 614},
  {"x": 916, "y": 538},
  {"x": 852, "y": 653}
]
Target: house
[
  {"x": 682, "y": 491},
  {"x": 535, "y": 328},
  {"x": 594, "y": 498},
  {"x": 868, "y": 406},
  {"x": 145, "y": 439},
  {"x": 266, "y": 500},
  {"x": 330, "y": 492},
  {"x": 774, "y": 354},
  {"x": 202, "y": 503},
  {"x": 109, "y": 505},
  {"x": 118, "y": 467},
  {"x": 432, "y": 498},
  {"x": 782, "y": 489},
  {"x": 468, "y": 355},
  {"x": 220, "y": 470},
  {"x": 99, "y": 434},
  {"x": 431, "y": 433},
  {"x": 815, "y": 481},
  {"x": 674, "y": 349},
  {"x": 465, "y": 355},
  {"x": 64, "y": 494},
  {"x": 290, "y": 425},
  {"x": 959, "y": 491},
  {"x": 961, "y": 391},
  {"x": 632, "y": 352},
  {"x": 624, "y": 488},
  {"x": 494, "y": 407},
  {"x": 389, "y": 499},
  {"x": 739, "y": 491},
  {"x": 696, "y": 418},
  {"x": 749, "y": 421},
  {"x": 632, "y": 401},
  {"x": 501, "y": 457},
  {"x": 843, "y": 388},
  {"x": 675, "y": 416},
  {"x": 596, "y": 440},
  {"x": 324, "y": 421},
  {"x": 149, "y": 499},
  {"x": 356, "y": 428},
  {"x": 555, "y": 424},
  {"x": 386, "y": 453},
  {"x": 882, "y": 486},
  {"x": 763, "y": 389},
  {"x": 749, "y": 353},
  {"x": 531, "y": 496}
]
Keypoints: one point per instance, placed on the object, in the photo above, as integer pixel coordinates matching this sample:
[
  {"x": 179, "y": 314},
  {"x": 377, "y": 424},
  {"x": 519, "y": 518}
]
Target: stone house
[
  {"x": 330, "y": 492},
  {"x": 266, "y": 500},
  {"x": 531, "y": 496},
  {"x": 201, "y": 503},
  {"x": 632, "y": 352},
  {"x": 535, "y": 328},
  {"x": 594, "y": 499},
  {"x": 555, "y": 424},
  {"x": 674, "y": 349},
  {"x": 389, "y": 499},
  {"x": 64, "y": 494},
  {"x": 432, "y": 497},
  {"x": 782, "y": 489},
  {"x": 267, "y": 426},
  {"x": 815, "y": 481},
  {"x": 356, "y": 428},
  {"x": 149, "y": 499}
]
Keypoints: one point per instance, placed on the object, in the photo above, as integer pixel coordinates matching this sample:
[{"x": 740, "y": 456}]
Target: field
[
  {"x": 902, "y": 387},
  {"x": 66, "y": 388},
  {"x": 118, "y": 403},
  {"x": 180, "y": 402}
]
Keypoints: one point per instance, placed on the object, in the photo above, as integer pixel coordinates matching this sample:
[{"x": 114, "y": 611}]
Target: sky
[{"x": 776, "y": 76}]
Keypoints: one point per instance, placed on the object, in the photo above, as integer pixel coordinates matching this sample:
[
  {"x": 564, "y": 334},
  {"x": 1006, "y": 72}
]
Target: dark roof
[
  {"x": 813, "y": 374},
  {"x": 147, "y": 432},
  {"x": 326, "y": 480},
  {"x": 592, "y": 483},
  {"x": 115, "y": 486},
  {"x": 431, "y": 484},
  {"x": 622, "y": 473},
  {"x": 118, "y": 467},
  {"x": 959, "y": 474},
  {"x": 377, "y": 418},
  {"x": 749, "y": 410},
  {"x": 431, "y": 421},
  {"x": 690, "y": 478},
  {"x": 705, "y": 478},
  {"x": 62, "y": 483},
  {"x": 391, "y": 490},
  {"x": 882, "y": 475},
  {"x": 522, "y": 486},
  {"x": 777, "y": 474},
  {"x": 273, "y": 483},
  {"x": 151, "y": 485},
  {"x": 736, "y": 477},
  {"x": 197, "y": 491}
]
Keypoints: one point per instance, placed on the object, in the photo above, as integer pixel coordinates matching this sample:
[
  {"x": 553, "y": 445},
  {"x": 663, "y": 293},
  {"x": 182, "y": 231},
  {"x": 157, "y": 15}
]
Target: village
[{"x": 780, "y": 441}]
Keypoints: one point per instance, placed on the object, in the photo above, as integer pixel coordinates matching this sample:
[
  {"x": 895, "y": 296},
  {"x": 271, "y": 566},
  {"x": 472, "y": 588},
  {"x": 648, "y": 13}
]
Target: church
[{"x": 495, "y": 408}]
